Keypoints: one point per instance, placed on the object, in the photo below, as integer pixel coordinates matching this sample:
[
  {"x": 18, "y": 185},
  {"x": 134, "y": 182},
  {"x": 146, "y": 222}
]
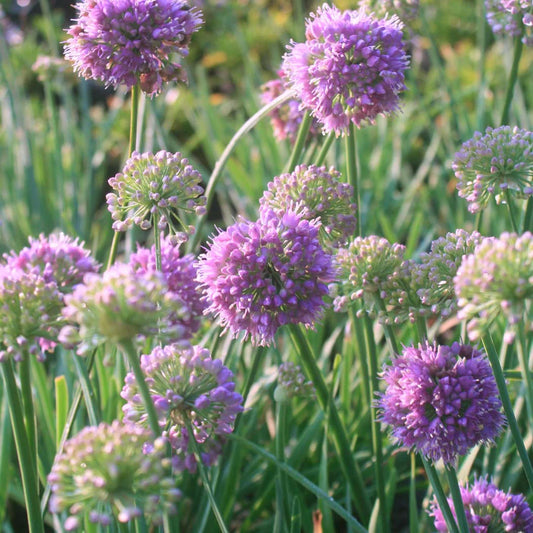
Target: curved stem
[
  {"x": 325, "y": 149},
  {"x": 507, "y": 407},
  {"x": 26, "y": 462},
  {"x": 205, "y": 480},
  {"x": 377, "y": 442},
  {"x": 439, "y": 494},
  {"x": 299, "y": 144},
  {"x": 349, "y": 467},
  {"x": 351, "y": 172},
  {"x": 223, "y": 159},
  {"x": 135, "y": 364},
  {"x": 27, "y": 405},
  {"x": 513, "y": 75},
  {"x": 457, "y": 500}
]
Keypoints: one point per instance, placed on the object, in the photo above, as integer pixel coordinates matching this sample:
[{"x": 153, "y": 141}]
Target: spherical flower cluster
[
  {"x": 511, "y": 17},
  {"x": 191, "y": 392},
  {"x": 489, "y": 509},
  {"x": 441, "y": 400},
  {"x": 350, "y": 68},
  {"x": 496, "y": 279},
  {"x": 261, "y": 275},
  {"x": 30, "y": 313},
  {"x": 57, "y": 258},
  {"x": 405, "y": 9},
  {"x": 129, "y": 42},
  {"x": 155, "y": 188},
  {"x": 287, "y": 117},
  {"x": 439, "y": 266},
  {"x": 292, "y": 383},
  {"x": 112, "y": 471},
  {"x": 372, "y": 268},
  {"x": 180, "y": 275},
  {"x": 494, "y": 163},
  {"x": 315, "y": 192},
  {"x": 118, "y": 306}
]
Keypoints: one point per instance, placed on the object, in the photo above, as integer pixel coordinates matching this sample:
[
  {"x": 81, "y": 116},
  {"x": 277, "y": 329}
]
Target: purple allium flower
[
  {"x": 58, "y": 258},
  {"x": 125, "y": 42},
  {"x": 441, "y": 400},
  {"x": 180, "y": 275},
  {"x": 286, "y": 118},
  {"x": 261, "y": 275},
  {"x": 114, "y": 471},
  {"x": 30, "y": 313},
  {"x": 156, "y": 188},
  {"x": 315, "y": 192},
  {"x": 191, "y": 391},
  {"x": 496, "y": 279},
  {"x": 439, "y": 266},
  {"x": 492, "y": 163},
  {"x": 350, "y": 69},
  {"x": 489, "y": 509},
  {"x": 292, "y": 383},
  {"x": 405, "y": 9},
  {"x": 119, "y": 305},
  {"x": 511, "y": 17},
  {"x": 372, "y": 268}
]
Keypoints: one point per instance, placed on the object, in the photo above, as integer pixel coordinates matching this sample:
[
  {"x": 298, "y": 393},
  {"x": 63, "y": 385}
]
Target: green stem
[
  {"x": 482, "y": 45},
  {"x": 512, "y": 217},
  {"x": 421, "y": 329},
  {"x": 304, "y": 482},
  {"x": 349, "y": 467},
  {"x": 351, "y": 171},
  {"x": 521, "y": 349},
  {"x": 457, "y": 499},
  {"x": 299, "y": 144},
  {"x": 221, "y": 163},
  {"x": 134, "y": 112},
  {"x": 26, "y": 462},
  {"x": 528, "y": 216},
  {"x": 513, "y": 75},
  {"x": 157, "y": 242},
  {"x": 321, "y": 157},
  {"x": 135, "y": 364},
  {"x": 413, "y": 505},
  {"x": 389, "y": 332},
  {"x": 507, "y": 406},
  {"x": 479, "y": 220},
  {"x": 363, "y": 363},
  {"x": 377, "y": 442},
  {"x": 440, "y": 495},
  {"x": 113, "y": 249},
  {"x": 93, "y": 410},
  {"x": 205, "y": 480},
  {"x": 282, "y": 492},
  {"x": 27, "y": 405}
]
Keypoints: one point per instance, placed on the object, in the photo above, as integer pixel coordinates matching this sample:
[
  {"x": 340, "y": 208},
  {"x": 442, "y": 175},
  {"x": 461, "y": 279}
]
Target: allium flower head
[
  {"x": 155, "y": 188},
  {"x": 511, "y": 17},
  {"x": 190, "y": 390},
  {"x": 371, "y": 267},
  {"x": 119, "y": 305},
  {"x": 439, "y": 266},
  {"x": 292, "y": 383},
  {"x": 315, "y": 192},
  {"x": 489, "y": 509},
  {"x": 492, "y": 163},
  {"x": 109, "y": 472},
  {"x": 57, "y": 258},
  {"x": 129, "y": 42},
  {"x": 261, "y": 275},
  {"x": 350, "y": 68},
  {"x": 496, "y": 279},
  {"x": 180, "y": 275},
  {"x": 286, "y": 118},
  {"x": 30, "y": 313},
  {"x": 441, "y": 400}
]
